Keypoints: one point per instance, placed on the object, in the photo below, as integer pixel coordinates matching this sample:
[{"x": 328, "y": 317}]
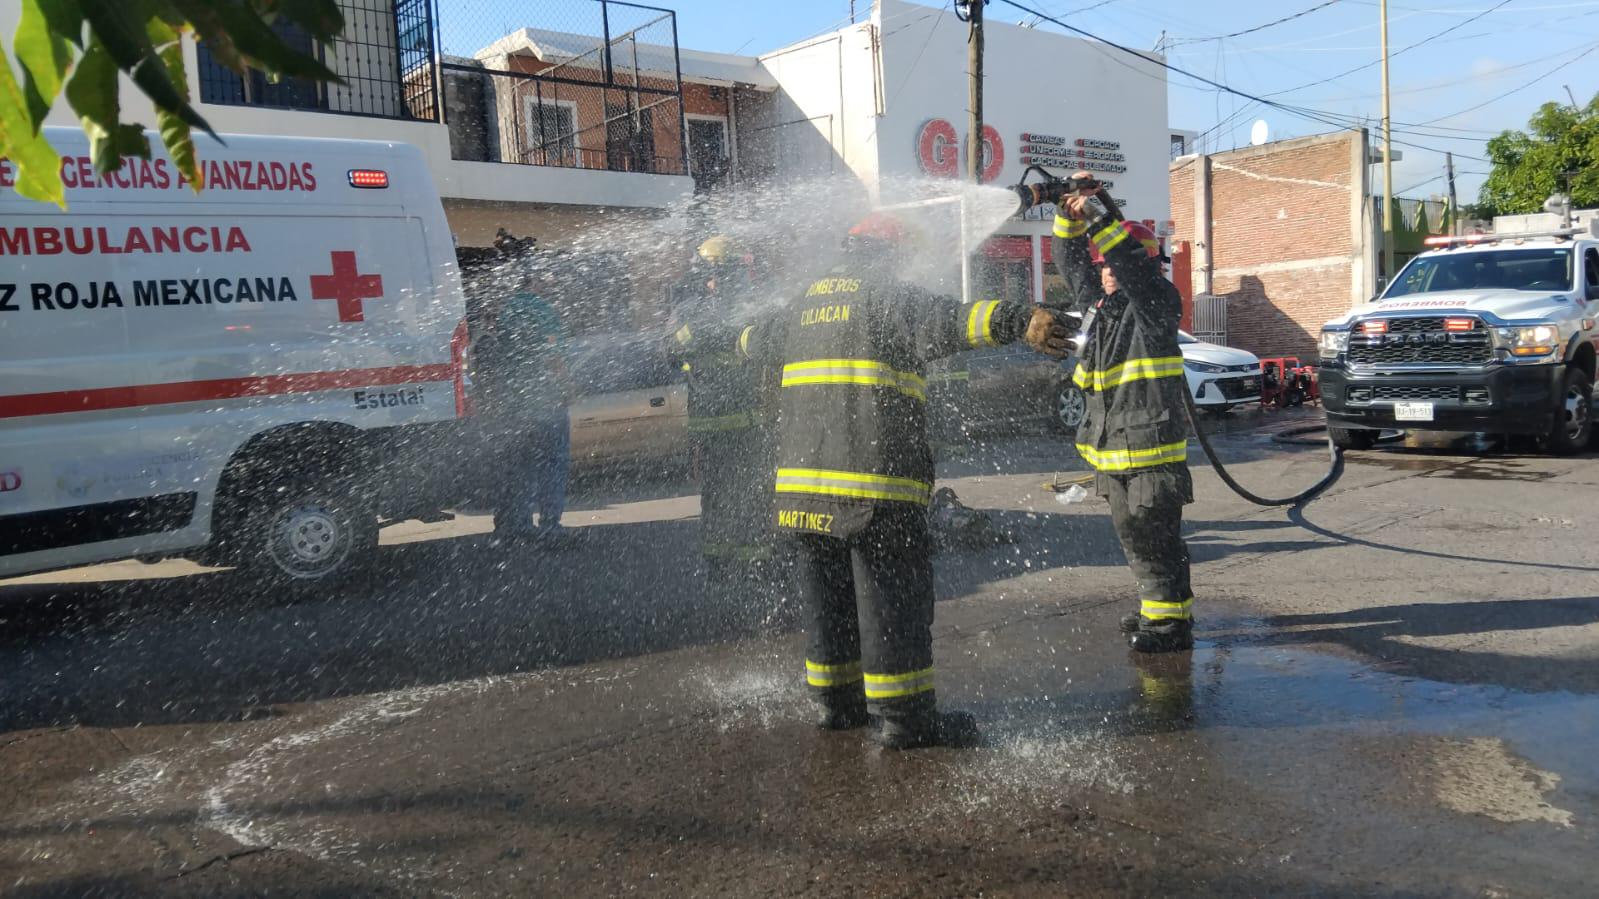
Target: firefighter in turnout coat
[
  {"x": 855, "y": 474},
  {"x": 727, "y": 426},
  {"x": 1135, "y": 434}
]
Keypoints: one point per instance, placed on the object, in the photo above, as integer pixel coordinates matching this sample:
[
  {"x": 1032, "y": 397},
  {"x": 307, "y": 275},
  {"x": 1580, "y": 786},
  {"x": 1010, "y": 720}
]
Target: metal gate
[{"x": 1210, "y": 318}]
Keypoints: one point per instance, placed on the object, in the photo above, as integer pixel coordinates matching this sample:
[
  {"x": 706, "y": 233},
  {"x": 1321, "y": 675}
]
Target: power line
[
  {"x": 1326, "y": 118},
  {"x": 1221, "y": 37},
  {"x": 1514, "y": 90},
  {"x": 1364, "y": 66}
]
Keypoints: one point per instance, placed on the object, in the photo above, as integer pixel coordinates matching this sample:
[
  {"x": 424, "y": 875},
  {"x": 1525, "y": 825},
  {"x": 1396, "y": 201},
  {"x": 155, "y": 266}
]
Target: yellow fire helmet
[{"x": 717, "y": 250}]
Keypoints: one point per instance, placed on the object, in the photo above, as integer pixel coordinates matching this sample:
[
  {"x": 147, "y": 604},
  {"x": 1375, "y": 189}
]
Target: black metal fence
[
  {"x": 384, "y": 58},
  {"x": 593, "y": 84}
]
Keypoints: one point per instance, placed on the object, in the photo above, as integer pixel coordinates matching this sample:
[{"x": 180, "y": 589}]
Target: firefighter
[
  {"x": 725, "y": 424},
  {"x": 1135, "y": 433},
  {"x": 855, "y": 474}
]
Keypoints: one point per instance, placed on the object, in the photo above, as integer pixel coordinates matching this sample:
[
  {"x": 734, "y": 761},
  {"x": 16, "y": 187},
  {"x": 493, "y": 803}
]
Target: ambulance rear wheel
[{"x": 308, "y": 533}]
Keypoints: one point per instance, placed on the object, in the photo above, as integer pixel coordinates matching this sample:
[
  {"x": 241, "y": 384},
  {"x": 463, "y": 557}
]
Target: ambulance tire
[{"x": 301, "y": 531}]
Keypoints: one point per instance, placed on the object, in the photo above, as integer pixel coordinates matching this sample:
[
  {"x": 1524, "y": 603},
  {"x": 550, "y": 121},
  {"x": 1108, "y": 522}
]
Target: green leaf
[
  {"x": 93, "y": 95},
  {"x": 130, "y": 48},
  {"x": 45, "y": 57},
  {"x": 175, "y": 132},
  {"x": 38, "y": 166},
  {"x": 322, "y": 19},
  {"x": 260, "y": 45},
  {"x": 65, "y": 18},
  {"x": 209, "y": 28}
]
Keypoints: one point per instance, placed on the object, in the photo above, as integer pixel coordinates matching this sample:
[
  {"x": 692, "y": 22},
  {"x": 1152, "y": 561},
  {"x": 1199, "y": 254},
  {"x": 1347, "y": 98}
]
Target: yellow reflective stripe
[
  {"x": 1127, "y": 460},
  {"x": 862, "y": 372},
  {"x": 1109, "y": 238},
  {"x": 684, "y": 335},
  {"x": 1129, "y": 371},
  {"x": 744, "y": 341},
  {"x": 1156, "y": 610},
  {"x": 707, "y": 423},
  {"x": 978, "y": 321},
  {"x": 820, "y": 675},
  {"x": 893, "y": 686},
  {"x": 1069, "y": 228},
  {"x": 855, "y": 485}
]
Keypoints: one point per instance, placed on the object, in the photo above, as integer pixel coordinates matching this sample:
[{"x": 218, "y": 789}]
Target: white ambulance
[{"x": 250, "y": 375}]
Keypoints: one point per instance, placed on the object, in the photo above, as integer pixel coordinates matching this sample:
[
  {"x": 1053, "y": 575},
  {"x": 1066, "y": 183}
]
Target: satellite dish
[{"x": 1259, "y": 132}]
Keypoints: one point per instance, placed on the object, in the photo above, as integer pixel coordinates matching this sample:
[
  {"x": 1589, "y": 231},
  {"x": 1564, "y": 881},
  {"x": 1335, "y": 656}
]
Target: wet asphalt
[{"x": 1394, "y": 693}]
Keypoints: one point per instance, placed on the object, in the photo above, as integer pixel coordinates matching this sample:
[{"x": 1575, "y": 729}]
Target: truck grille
[
  {"x": 1399, "y": 394},
  {"x": 1421, "y": 341}
]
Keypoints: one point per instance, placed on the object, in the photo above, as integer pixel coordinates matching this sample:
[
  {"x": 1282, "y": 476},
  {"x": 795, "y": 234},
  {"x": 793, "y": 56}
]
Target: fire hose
[{"x": 1051, "y": 190}]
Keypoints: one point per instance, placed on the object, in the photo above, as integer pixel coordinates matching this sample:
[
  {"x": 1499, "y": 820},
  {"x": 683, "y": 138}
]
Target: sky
[{"x": 1461, "y": 70}]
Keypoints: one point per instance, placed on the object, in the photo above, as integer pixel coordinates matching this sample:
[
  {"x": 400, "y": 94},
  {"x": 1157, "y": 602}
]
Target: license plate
[{"x": 1413, "y": 411}]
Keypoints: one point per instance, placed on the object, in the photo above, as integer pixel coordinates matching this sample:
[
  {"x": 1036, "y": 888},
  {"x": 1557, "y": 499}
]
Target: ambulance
[{"x": 251, "y": 375}]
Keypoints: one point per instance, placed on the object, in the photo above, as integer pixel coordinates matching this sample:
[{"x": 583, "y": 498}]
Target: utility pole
[
  {"x": 974, "y": 65},
  {"x": 1387, "y": 159},
  {"x": 1454, "y": 210}
]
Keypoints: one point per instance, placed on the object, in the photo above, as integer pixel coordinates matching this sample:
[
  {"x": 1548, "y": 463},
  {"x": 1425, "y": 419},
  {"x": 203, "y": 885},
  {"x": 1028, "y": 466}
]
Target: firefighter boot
[
  {"x": 1132, "y": 621},
  {"x": 924, "y": 727},
  {"x": 1171, "y": 635},
  {"x": 840, "y": 709}
]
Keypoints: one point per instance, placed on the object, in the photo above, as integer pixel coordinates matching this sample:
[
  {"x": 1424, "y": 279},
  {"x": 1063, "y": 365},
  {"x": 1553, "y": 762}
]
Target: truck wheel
[
  {"x": 1070, "y": 406},
  {"x": 1574, "y": 416},
  {"x": 1353, "y": 438},
  {"x": 306, "y": 532}
]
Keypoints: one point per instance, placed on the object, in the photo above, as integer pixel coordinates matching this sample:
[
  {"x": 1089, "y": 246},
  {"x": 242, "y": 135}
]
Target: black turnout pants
[
  {"x": 869, "y": 604},
  {"x": 1146, "y": 508}
]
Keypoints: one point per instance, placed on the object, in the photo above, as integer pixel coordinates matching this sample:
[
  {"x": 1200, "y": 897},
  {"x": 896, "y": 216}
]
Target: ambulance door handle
[{"x": 657, "y": 402}]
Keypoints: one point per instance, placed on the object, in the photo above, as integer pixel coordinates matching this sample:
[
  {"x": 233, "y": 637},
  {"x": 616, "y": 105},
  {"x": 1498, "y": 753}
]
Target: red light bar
[
  {"x": 1459, "y": 324},
  {"x": 1374, "y": 327},
  {"x": 368, "y": 178}
]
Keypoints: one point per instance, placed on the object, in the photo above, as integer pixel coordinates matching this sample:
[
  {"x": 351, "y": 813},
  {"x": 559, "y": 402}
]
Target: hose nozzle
[{"x": 1051, "y": 189}]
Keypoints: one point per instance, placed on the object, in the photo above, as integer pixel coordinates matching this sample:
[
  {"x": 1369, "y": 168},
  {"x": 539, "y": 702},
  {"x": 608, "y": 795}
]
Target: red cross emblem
[{"x": 347, "y": 287}]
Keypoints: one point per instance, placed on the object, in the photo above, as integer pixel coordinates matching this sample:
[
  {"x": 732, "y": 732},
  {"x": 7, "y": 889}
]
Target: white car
[{"x": 1219, "y": 377}]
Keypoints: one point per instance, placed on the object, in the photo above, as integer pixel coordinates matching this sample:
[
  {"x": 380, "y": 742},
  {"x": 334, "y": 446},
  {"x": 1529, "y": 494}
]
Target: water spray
[{"x": 1051, "y": 189}]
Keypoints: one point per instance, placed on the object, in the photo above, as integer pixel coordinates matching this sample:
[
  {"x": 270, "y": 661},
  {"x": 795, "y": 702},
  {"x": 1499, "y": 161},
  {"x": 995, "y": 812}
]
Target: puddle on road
[{"x": 1133, "y": 728}]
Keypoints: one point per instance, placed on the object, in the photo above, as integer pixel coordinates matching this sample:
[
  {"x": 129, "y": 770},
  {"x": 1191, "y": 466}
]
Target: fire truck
[{"x": 1487, "y": 333}]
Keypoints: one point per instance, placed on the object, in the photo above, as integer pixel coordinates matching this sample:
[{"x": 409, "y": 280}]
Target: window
[
  {"x": 221, "y": 85},
  {"x": 551, "y": 132},
  {"x": 707, "y": 149},
  {"x": 1590, "y": 265},
  {"x": 1529, "y": 269}
]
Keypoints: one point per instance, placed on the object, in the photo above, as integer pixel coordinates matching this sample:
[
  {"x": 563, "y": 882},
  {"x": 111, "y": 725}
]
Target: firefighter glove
[{"x": 1048, "y": 333}]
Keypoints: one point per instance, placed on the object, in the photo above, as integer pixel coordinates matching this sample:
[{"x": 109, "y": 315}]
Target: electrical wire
[
  {"x": 1364, "y": 66},
  {"x": 1514, "y": 90},
  {"x": 1220, "y": 37}
]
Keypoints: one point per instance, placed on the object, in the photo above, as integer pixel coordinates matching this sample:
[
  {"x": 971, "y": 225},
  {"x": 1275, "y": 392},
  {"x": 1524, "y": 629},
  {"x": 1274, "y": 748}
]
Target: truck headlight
[
  {"x": 1333, "y": 343},
  {"x": 1536, "y": 340}
]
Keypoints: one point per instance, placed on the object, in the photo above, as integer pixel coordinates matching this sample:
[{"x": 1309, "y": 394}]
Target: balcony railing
[
  {"x": 384, "y": 58},
  {"x": 593, "y": 84}
]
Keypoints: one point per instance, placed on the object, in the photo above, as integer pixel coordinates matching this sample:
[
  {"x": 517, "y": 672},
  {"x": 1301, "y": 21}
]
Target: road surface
[{"x": 1394, "y": 693}]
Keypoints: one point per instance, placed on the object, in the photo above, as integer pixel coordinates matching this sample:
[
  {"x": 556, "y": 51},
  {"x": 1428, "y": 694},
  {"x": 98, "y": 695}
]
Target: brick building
[{"x": 1283, "y": 232}]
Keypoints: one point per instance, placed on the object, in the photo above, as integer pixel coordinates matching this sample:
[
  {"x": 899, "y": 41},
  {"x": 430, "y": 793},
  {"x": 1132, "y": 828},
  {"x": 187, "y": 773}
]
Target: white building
[{"x": 887, "y": 98}]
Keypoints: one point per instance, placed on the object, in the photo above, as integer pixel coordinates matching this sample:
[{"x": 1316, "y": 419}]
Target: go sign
[{"x": 939, "y": 150}]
